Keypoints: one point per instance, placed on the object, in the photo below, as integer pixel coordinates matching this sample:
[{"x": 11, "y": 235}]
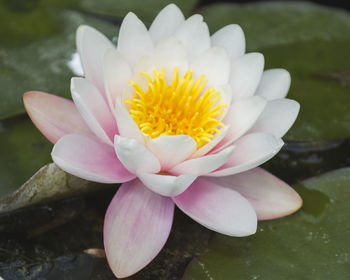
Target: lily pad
[{"x": 311, "y": 244}]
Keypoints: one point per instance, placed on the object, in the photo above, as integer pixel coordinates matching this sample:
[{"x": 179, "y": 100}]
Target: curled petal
[
  {"x": 274, "y": 84},
  {"x": 54, "y": 116},
  {"x": 137, "y": 225},
  {"x": 217, "y": 208}
]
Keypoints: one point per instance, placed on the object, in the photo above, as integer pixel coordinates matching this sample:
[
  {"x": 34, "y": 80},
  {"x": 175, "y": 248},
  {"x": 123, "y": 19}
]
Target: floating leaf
[{"x": 311, "y": 244}]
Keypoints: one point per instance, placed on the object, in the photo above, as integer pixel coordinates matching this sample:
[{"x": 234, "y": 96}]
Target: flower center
[{"x": 182, "y": 107}]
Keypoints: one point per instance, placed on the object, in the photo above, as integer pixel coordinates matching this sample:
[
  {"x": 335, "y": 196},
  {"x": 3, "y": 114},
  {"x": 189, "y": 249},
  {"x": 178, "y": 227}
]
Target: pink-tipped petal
[
  {"x": 172, "y": 149},
  {"x": 54, "y": 116},
  {"x": 135, "y": 156},
  {"x": 251, "y": 151},
  {"x": 166, "y": 23},
  {"x": 277, "y": 117},
  {"x": 270, "y": 197},
  {"x": 94, "y": 109},
  {"x": 134, "y": 40},
  {"x": 204, "y": 164},
  {"x": 274, "y": 84},
  {"x": 231, "y": 37},
  {"x": 217, "y": 208},
  {"x": 137, "y": 225},
  {"x": 92, "y": 45},
  {"x": 167, "y": 185},
  {"x": 88, "y": 158}
]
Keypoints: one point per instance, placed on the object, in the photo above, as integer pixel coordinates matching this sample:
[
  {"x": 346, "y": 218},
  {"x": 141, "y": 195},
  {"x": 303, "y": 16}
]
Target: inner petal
[{"x": 181, "y": 107}]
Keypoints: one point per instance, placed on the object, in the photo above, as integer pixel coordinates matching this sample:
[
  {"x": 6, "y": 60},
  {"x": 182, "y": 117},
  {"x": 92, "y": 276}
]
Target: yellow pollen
[{"x": 182, "y": 107}]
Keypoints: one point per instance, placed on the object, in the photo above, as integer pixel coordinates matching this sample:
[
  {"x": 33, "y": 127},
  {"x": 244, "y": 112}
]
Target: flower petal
[
  {"x": 88, "y": 158},
  {"x": 54, "y": 116},
  {"x": 145, "y": 65},
  {"x": 166, "y": 23},
  {"x": 274, "y": 84},
  {"x": 251, "y": 151},
  {"x": 91, "y": 45},
  {"x": 117, "y": 74},
  {"x": 194, "y": 34},
  {"x": 137, "y": 225},
  {"x": 270, "y": 197},
  {"x": 240, "y": 117},
  {"x": 204, "y": 164},
  {"x": 172, "y": 149},
  {"x": 277, "y": 117},
  {"x": 135, "y": 156},
  {"x": 217, "y": 208},
  {"x": 214, "y": 63},
  {"x": 93, "y": 109},
  {"x": 231, "y": 37},
  {"x": 246, "y": 73},
  {"x": 134, "y": 40},
  {"x": 167, "y": 185}
]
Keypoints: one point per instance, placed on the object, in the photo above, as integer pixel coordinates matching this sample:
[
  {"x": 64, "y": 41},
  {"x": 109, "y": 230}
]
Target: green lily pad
[{"x": 312, "y": 244}]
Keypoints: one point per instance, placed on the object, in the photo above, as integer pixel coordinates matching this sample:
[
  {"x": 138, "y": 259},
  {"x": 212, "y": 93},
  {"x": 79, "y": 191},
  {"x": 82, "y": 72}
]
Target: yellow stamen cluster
[{"x": 182, "y": 107}]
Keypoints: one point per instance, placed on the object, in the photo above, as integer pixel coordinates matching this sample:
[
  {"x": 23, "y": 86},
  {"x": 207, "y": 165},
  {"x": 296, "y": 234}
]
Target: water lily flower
[{"x": 178, "y": 117}]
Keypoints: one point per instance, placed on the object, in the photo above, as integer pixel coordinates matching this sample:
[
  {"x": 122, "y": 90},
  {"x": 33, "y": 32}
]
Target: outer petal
[
  {"x": 167, "y": 185},
  {"x": 54, "y": 116},
  {"x": 94, "y": 109},
  {"x": 134, "y": 40},
  {"x": 274, "y": 84},
  {"x": 135, "y": 157},
  {"x": 117, "y": 74},
  {"x": 203, "y": 165},
  {"x": 251, "y": 151},
  {"x": 277, "y": 118},
  {"x": 194, "y": 34},
  {"x": 166, "y": 23},
  {"x": 91, "y": 45},
  {"x": 246, "y": 73},
  {"x": 217, "y": 208},
  {"x": 270, "y": 197},
  {"x": 137, "y": 225},
  {"x": 90, "y": 159},
  {"x": 214, "y": 63},
  {"x": 231, "y": 37},
  {"x": 172, "y": 149}
]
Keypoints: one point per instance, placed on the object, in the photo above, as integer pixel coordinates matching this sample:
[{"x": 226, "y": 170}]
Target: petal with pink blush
[
  {"x": 274, "y": 84},
  {"x": 94, "y": 109},
  {"x": 117, "y": 74},
  {"x": 270, "y": 197},
  {"x": 167, "y": 185},
  {"x": 134, "y": 40},
  {"x": 92, "y": 45},
  {"x": 137, "y": 225},
  {"x": 135, "y": 156},
  {"x": 166, "y": 23},
  {"x": 277, "y": 117},
  {"x": 204, "y": 164},
  {"x": 88, "y": 158},
  {"x": 54, "y": 116},
  {"x": 217, "y": 208},
  {"x": 172, "y": 149},
  {"x": 251, "y": 151}
]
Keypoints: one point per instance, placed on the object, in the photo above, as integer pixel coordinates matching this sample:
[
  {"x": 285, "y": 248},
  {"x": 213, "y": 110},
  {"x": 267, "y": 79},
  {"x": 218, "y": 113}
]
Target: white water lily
[{"x": 180, "y": 118}]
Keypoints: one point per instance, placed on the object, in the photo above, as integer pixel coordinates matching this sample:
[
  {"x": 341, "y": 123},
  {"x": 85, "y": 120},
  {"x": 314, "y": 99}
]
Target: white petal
[
  {"x": 167, "y": 185},
  {"x": 225, "y": 98},
  {"x": 214, "y": 63},
  {"x": 277, "y": 117},
  {"x": 246, "y": 73},
  {"x": 135, "y": 156},
  {"x": 134, "y": 40},
  {"x": 117, "y": 74},
  {"x": 166, "y": 23},
  {"x": 172, "y": 149},
  {"x": 231, "y": 37},
  {"x": 274, "y": 84},
  {"x": 145, "y": 65},
  {"x": 203, "y": 165}
]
